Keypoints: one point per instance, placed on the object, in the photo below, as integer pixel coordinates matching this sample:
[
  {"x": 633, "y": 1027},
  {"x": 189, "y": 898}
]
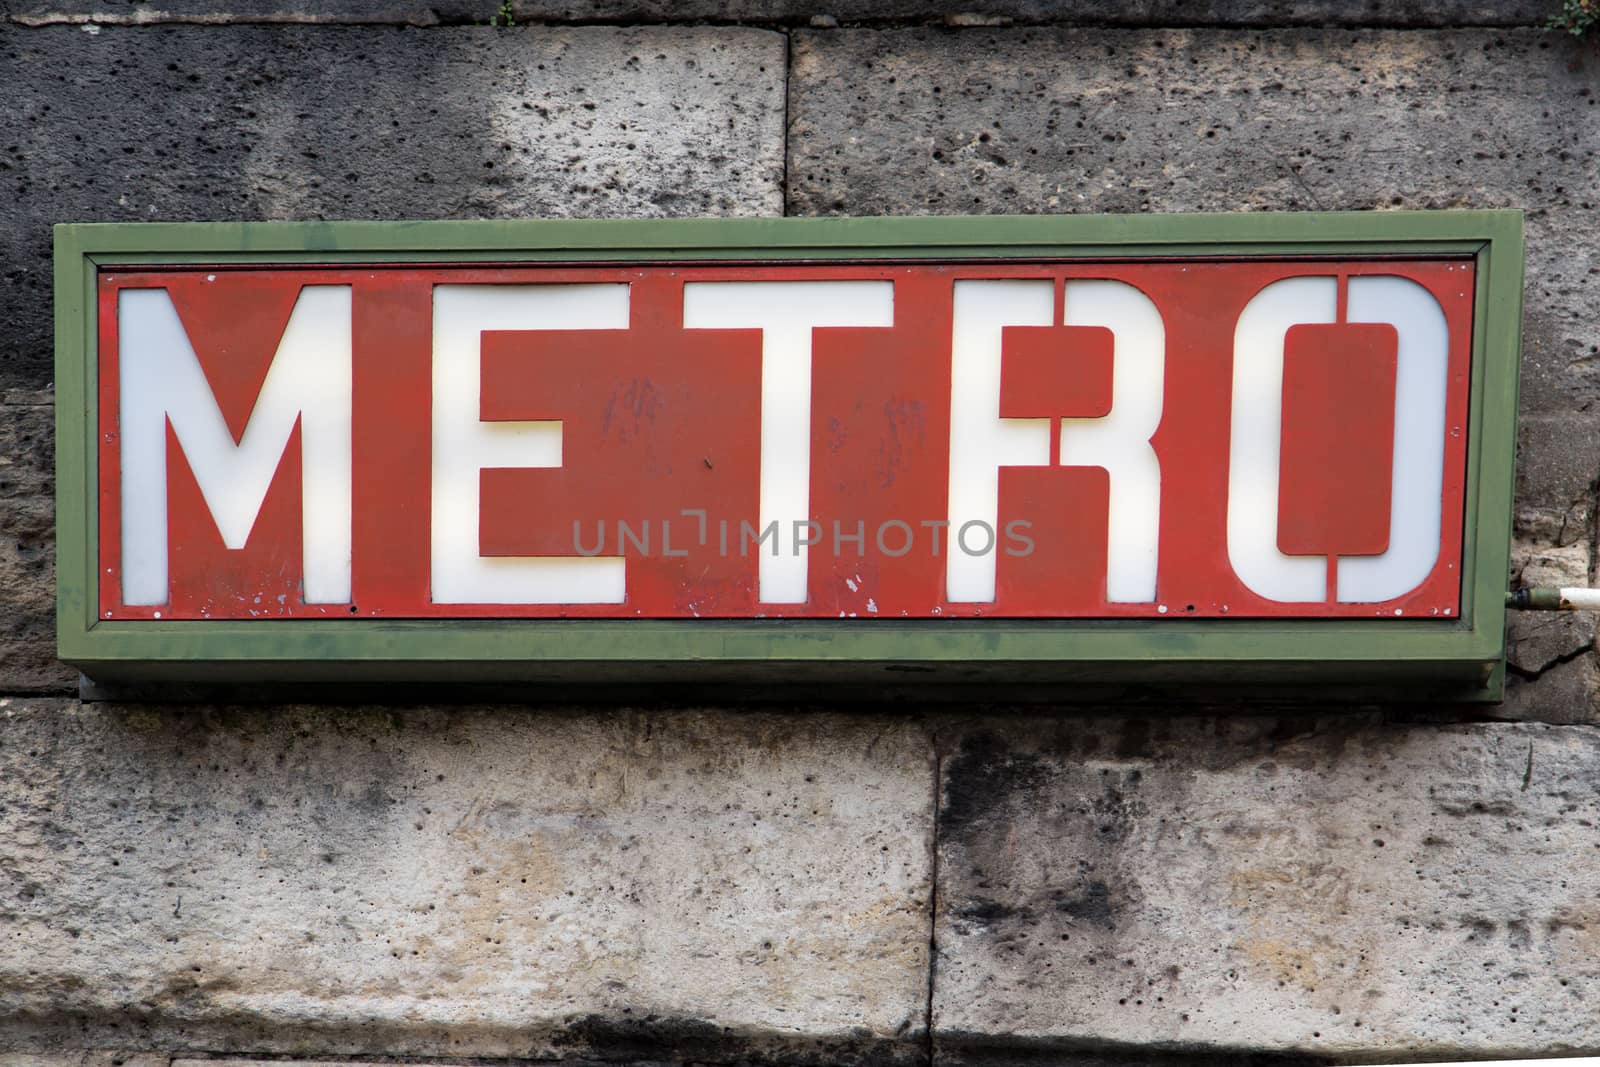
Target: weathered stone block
[
  {"x": 1330, "y": 887},
  {"x": 1103, "y": 120},
  {"x": 94, "y": 1058},
  {"x": 1552, "y": 676},
  {"x": 466, "y": 882},
  {"x": 27, "y": 544},
  {"x": 990, "y": 12},
  {"x": 1086, "y": 12},
  {"x": 1566, "y": 690},
  {"x": 33, "y": 13},
  {"x": 1558, "y": 461},
  {"x": 294, "y": 122},
  {"x": 274, "y": 1063},
  {"x": 1537, "y": 640}
]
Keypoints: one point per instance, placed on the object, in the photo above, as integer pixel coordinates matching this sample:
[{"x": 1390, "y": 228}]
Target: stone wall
[{"x": 807, "y": 886}]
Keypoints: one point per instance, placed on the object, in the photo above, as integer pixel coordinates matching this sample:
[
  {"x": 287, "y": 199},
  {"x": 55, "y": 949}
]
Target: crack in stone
[{"x": 1560, "y": 661}]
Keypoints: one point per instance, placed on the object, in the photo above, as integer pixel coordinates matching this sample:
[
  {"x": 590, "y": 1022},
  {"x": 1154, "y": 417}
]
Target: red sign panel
[{"x": 1088, "y": 440}]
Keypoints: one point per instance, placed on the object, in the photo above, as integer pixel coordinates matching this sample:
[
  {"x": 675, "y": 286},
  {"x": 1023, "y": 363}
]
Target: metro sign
[
  {"x": 921, "y": 439},
  {"x": 926, "y": 440}
]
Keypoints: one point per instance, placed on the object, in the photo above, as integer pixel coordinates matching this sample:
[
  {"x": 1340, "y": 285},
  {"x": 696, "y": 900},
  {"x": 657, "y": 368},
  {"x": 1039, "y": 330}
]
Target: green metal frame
[{"x": 1461, "y": 659}]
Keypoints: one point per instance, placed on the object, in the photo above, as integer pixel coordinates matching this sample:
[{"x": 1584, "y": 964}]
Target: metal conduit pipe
[{"x": 1549, "y": 598}]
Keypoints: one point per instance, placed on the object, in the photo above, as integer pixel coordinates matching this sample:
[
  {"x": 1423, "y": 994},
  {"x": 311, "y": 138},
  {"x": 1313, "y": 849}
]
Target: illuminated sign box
[{"x": 1197, "y": 451}]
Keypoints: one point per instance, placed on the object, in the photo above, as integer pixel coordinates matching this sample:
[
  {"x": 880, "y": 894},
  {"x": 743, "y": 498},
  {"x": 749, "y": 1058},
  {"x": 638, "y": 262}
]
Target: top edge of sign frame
[
  {"x": 1461, "y": 660},
  {"x": 920, "y": 237}
]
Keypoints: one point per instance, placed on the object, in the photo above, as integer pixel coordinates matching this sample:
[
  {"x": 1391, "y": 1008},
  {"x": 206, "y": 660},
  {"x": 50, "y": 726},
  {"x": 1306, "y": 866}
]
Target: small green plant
[
  {"x": 1577, "y": 17},
  {"x": 505, "y": 16}
]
